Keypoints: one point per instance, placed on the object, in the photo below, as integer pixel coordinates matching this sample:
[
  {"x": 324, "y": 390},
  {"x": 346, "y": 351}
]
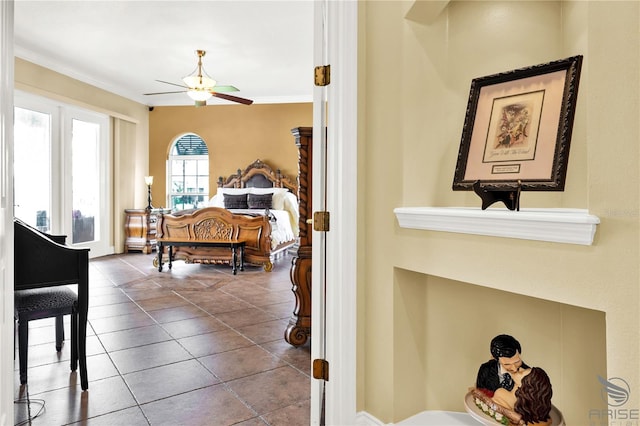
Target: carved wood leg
[
  {"x": 242, "y": 257},
  {"x": 234, "y": 259},
  {"x": 299, "y": 328},
  {"x": 159, "y": 257}
]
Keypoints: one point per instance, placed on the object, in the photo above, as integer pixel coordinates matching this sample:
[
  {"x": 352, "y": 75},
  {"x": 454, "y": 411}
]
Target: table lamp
[{"x": 148, "y": 180}]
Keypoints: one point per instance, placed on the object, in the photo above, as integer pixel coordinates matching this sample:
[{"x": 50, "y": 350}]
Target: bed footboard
[{"x": 216, "y": 224}]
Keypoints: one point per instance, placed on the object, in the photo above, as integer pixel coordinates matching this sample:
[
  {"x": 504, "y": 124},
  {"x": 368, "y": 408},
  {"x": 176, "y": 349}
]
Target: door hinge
[
  {"x": 322, "y": 75},
  {"x": 321, "y": 221},
  {"x": 321, "y": 369}
]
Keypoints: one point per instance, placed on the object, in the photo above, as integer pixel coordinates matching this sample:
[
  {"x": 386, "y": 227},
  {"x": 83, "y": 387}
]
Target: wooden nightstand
[{"x": 140, "y": 230}]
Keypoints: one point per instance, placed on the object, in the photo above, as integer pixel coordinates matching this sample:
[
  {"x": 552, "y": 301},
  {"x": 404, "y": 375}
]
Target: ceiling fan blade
[
  {"x": 225, "y": 89},
  {"x": 165, "y": 93},
  {"x": 173, "y": 84},
  {"x": 232, "y": 98}
]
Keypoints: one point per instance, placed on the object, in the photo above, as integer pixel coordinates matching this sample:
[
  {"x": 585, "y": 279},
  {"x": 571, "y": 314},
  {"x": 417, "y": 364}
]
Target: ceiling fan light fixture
[
  {"x": 195, "y": 81},
  {"x": 199, "y": 94},
  {"x": 201, "y": 87},
  {"x": 198, "y": 80}
]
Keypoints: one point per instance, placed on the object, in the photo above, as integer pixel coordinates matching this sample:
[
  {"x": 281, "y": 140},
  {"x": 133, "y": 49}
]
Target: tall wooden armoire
[{"x": 299, "y": 328}]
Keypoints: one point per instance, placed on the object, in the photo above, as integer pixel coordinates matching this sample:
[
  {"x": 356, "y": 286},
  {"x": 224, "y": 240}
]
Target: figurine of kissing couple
[{"x": 509, "y": 382}]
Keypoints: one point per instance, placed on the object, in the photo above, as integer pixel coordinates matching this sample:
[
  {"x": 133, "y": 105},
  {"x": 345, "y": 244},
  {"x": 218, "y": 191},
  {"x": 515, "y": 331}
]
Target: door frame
[
  {"x": 339, "y": 41},
  {"x": 6, "y": 211}
]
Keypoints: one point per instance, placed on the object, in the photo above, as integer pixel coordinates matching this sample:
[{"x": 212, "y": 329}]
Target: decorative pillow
[
  {"x": 259, "y": 201},
  {"x": 235, "y": 201},
  {"x": 277, "y": 202}
]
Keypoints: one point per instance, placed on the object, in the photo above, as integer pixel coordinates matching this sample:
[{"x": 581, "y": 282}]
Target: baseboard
[
  {"x": 365, "y": 419},
  {"x": 425, "y": 418}
]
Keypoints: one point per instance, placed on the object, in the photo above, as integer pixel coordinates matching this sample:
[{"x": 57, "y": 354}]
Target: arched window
[{"x": 188, "y": 173}]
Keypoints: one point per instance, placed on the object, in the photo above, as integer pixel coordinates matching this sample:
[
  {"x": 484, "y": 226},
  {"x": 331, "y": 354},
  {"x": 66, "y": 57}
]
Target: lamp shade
[
  {"x": 199, "y": 94},
  {"x": 199, "y": 82},
  {"x": 148, "y": 180}
]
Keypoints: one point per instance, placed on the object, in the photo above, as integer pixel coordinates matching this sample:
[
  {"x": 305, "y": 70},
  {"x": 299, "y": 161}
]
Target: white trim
[
  {"x": 6, "y": 212},
  {"x": 335, "y": 44},
  {"x": 571, "y": 226},
  {"x": 365, "y": 419},
  {"x": 342, "y": 186},
  {"x": 424, "y": 418}
]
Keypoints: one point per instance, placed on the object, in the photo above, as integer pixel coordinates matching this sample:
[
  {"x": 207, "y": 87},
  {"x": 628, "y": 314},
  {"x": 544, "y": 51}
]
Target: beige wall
[
  {"x": 420, "y": 290},
  {"x": 130, "y": 133},
  {"x": 236, "y": 135}
]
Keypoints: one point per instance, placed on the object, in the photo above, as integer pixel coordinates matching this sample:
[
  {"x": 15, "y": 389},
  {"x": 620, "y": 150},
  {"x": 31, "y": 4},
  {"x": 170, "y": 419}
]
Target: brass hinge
[
  {"x": 322, "y": 75},
  {"x": 321, "y": 369},
  {"x": 321, "y": 221}
]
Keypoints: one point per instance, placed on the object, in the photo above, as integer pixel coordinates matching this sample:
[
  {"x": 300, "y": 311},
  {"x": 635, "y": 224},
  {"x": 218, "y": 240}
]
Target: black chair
[
  {"x": 39, "y": 303},
  {"x": 43, "y": 268}
]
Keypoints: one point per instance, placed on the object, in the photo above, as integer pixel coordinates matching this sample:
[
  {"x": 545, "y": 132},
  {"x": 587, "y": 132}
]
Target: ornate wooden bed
[
  {"x": 260, "y": 175},
  {"x": 263, "y": 231}
]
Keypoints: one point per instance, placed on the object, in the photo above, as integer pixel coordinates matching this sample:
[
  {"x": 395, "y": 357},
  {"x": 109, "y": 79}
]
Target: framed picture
[{"x": 517, "y": 128}]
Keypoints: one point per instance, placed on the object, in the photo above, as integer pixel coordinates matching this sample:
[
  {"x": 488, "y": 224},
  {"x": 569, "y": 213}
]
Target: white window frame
[
  {"x": 61, "y": 181},
  {"x": 170, "y": 192}
]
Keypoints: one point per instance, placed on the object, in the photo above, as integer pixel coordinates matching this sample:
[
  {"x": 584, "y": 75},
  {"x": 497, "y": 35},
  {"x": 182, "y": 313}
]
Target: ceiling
[{"x": 264, "y": 48}]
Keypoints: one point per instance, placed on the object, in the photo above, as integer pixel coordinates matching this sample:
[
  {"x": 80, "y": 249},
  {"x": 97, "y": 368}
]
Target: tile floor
[{"x": 192, "y": 346}]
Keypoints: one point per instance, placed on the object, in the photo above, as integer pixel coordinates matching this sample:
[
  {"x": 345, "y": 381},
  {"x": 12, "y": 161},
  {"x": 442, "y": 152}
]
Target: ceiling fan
[{"x": 200, "y": 87}]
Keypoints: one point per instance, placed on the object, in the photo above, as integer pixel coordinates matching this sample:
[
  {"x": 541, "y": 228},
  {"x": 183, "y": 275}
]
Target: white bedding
[
  {"x": 281, "y": 231},
  {"x": 285, "y": 210}
]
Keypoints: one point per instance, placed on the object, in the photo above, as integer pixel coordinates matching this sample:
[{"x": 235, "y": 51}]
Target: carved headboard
[{"x": 258, "y": 175}]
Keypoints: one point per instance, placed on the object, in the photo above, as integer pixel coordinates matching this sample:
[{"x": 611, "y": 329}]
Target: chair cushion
[{"x": 44, "y": 302}]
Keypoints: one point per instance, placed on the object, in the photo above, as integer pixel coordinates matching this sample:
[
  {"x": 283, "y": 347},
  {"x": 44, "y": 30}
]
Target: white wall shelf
[{"x": 571, "y": 226}]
